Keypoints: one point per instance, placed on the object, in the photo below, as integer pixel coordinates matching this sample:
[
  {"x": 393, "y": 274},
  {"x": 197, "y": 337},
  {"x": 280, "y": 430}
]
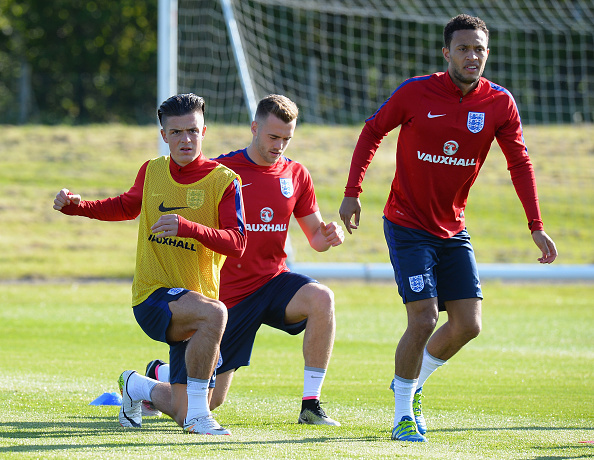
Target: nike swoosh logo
[
  {"x": 165, "y": 209},
  {"x": 245, "y": 185},
  {"x": 429, "y": 115}
]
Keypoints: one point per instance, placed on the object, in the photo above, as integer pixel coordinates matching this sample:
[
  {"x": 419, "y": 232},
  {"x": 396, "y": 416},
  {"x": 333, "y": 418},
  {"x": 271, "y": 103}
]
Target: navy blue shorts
[
  {"x": 427, "y": 266},
  {"x": 153, "y": 316},
  {"x": 265, "y": 306}
]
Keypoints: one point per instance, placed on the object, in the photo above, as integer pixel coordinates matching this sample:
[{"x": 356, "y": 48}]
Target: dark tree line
[{"x": 78, "y": 61}]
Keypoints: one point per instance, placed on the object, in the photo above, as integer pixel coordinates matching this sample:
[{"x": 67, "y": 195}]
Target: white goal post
[{"x": 166, "y": 56}]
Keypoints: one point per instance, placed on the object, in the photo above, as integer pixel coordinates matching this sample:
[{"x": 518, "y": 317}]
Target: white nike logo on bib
[{"x": 435, "y": 116}]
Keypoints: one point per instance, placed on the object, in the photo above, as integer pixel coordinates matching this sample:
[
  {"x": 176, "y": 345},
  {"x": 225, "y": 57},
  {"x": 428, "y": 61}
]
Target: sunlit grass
[
  {"x": 103, "y": 160},
  {"x": 522, "y": 390}
]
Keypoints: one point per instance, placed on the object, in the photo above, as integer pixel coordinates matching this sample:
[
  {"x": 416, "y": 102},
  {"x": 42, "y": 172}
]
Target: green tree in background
[{"x": 78, "y": 61}]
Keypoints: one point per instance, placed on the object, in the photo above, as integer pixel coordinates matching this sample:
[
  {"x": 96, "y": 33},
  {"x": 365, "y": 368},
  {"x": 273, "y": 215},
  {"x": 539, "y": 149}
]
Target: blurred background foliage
[{"x": 78, "y": 61}]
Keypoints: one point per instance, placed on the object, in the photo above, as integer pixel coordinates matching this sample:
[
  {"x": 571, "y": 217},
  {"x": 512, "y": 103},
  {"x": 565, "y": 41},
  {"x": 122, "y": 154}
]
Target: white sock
[
  {"x": 197, "y": 398},
  {"x": 429, "y": 365},
  {"x": 404, "y": 391},
  {"x": 140, "y": 387},
  {"x": 313, "y": 379},
  {"x": 162, "y": 373}
]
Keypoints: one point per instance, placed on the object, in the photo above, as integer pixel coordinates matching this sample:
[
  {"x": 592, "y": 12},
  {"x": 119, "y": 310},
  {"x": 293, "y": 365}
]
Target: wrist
[
  {"x": 535, "y": 225},
  {"x": 352, "y": 192}
]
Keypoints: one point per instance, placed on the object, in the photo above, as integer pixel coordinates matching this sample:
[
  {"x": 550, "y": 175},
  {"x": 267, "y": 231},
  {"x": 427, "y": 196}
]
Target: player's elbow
[
  {"x": 241, "y": 244},
  {"x": 238, "y": 243},
  {"x": 236, "y": 254}
]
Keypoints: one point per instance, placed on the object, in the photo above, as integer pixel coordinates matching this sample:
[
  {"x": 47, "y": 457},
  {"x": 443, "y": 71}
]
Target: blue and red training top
[
  {"x": 444, "y": 140},
  {"x": 271, "y": 194}
]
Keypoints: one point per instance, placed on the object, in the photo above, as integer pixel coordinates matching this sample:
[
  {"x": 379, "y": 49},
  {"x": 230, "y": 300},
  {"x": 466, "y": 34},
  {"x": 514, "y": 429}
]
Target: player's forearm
[
  {"x": 123, "y": 207},
  {"x": 109, "y": 209},
  {"x": 365, "y": 149},
  {"x": 228, "y": 241},
  {"x": 524, "y": 182},
  {"x": 318, "y": 242}
]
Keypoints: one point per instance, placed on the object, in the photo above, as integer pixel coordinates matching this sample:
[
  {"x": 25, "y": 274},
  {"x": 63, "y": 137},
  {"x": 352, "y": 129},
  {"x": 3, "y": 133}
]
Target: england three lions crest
[
  {"x": 417, "y": 283},
  {"x": 476, "y": 121},
  {"x": 195, "y": 198},
  {"x": 286, "y": 186}
]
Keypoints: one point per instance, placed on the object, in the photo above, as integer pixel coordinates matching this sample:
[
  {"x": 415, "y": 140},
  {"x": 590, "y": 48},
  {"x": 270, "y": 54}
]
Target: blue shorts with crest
[
  {"x": 265, "y": 306},
  {"x": 427, "y": 266},
  {"x": 153, "y": 316}
]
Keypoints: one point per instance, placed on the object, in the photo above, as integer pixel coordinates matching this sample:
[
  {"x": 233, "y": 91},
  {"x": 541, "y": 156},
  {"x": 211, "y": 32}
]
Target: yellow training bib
[{"x": 178, "y": 262}]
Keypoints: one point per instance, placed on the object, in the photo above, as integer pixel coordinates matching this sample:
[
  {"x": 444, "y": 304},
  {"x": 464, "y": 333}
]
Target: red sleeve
[
  {"x": 511, "y": 141},
  {"x": 230, "y": 239},
  {"x": 390, "y": 115},
  {"x": 525, "y": 184},
  {"x": 123, "y": 207},
  {"x": 367, "y": 145},
  {"x": 306, "y": 202}
]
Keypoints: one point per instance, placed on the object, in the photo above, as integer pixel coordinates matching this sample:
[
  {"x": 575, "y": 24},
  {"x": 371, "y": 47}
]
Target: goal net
[{"x": 340, "y": 59}]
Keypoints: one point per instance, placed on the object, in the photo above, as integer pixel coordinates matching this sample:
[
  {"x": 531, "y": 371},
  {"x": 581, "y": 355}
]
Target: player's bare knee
[
  {"x": 473, "y": 330},
  {"x": 216, "y": 313},
  {"x": 314, "y": 302},
  {"x": 324, "y": 301},
  {"x": 424, "y": 325},
  {"x": 216, "y": 401},
  {"x": 467, "y": 331}
]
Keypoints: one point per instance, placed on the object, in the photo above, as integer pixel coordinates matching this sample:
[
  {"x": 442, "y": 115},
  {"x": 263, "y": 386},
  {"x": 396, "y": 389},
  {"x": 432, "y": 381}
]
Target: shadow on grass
[
  {"x": 564, "y": 457},
  {"x": 537, "y": 428},
  {"x": 513, "y": 428},
  {"x": 87, "y": 427},
  {"x": 561, "y": 448},
  {"x": 83, "y": 431}
]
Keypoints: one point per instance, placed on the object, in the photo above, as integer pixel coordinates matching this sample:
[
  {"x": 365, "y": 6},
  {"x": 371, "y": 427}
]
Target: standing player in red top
[
  {"x": 191, "y": 217},
  {"x": 258, "y": 287},
  {"x": 448, "y": 121}
]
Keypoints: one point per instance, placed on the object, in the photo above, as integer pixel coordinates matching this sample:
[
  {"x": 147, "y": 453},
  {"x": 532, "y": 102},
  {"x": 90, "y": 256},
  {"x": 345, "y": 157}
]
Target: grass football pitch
[
  {"x": 101, "y": 161},
  {"x": 524, "y": 389}
]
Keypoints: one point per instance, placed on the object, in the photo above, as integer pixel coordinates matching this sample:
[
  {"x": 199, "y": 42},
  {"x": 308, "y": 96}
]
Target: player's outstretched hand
[
  {"x": 167, "y": 225},
  {"x": 64, "y": 198},
  {"x": 333, "y": 233},
  {"x": 546, "y": 245},
  {"x": 350, "y": 206}
]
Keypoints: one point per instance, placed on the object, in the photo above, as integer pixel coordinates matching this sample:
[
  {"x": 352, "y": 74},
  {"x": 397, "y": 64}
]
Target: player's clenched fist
[
  {"x": 64, "y": 198},
  {"x": 333, "y": 233}
]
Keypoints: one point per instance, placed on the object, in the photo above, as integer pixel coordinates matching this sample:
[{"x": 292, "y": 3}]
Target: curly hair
[{"x": 463, "y": 22}]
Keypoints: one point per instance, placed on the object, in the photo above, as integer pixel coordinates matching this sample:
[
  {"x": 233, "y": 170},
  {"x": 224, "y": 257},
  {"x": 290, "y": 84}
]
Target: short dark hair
[
  {"x": 180, "y": 104},
  {"x": 280, "y": 106},
  {"x": 463, "y": 22}
]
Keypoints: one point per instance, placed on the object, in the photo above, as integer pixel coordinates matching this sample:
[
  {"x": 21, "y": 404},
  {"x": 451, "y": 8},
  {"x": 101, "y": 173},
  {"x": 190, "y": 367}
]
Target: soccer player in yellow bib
[
  {"x": 191, "y": 218},
  {"x": 259, "y": 288}
]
